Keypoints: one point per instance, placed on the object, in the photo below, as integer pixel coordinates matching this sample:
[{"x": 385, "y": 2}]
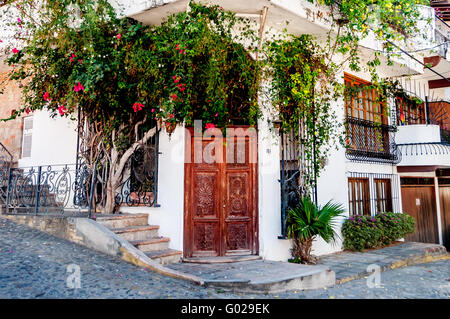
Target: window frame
[
  {"x": 27, "y": 133},
  {"x": 412, "y": 116},
  {"x": 364, "y": 201},
  {"x": 387, "y": 198},
  {"x": 370, "y": 107}
]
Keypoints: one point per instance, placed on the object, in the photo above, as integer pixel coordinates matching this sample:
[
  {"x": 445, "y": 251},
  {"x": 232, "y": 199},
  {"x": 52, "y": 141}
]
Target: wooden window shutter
[{"x": 27, "y": 136}]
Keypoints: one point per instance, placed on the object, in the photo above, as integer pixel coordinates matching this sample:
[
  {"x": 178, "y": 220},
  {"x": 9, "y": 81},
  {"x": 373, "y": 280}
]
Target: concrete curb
[
  {"x": 311, "y": 280},
  {"x": 89, "y": 233},
  {"x": 428, "y": 256}
]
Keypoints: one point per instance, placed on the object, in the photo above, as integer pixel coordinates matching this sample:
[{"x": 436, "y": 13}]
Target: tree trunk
[
  {"x": 115, "y": 164},
  {"x": 301, "y": 250}
]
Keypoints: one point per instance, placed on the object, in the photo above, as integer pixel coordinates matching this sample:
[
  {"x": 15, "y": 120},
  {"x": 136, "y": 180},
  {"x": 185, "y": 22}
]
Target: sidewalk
[
  {"x": 353, "y": 265},
  {"x": 274, "y": 276}
]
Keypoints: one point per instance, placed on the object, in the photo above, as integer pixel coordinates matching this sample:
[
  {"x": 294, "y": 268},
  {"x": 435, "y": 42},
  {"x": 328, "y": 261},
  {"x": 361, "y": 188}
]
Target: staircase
[{"x": 135, "y": 229}]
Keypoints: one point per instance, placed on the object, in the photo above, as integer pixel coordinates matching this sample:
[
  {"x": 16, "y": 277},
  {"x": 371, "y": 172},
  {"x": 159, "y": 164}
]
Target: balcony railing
[{"x": 370, "y": 141}]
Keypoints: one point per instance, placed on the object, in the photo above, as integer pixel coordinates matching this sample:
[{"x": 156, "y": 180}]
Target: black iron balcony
[{"x": 369, "y": 141}]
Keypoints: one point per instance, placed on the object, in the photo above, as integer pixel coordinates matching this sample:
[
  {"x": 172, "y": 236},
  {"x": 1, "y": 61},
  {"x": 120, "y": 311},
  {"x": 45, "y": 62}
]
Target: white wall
[
  {"x": 54, "y": 141},
  {"x": 418, "y": 133},
  {"x": 170, "y": 215},
  {"x": 269, "y": 195}
]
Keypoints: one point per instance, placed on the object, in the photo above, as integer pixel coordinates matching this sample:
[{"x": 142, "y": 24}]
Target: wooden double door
[{"x": 220, "y": 205}]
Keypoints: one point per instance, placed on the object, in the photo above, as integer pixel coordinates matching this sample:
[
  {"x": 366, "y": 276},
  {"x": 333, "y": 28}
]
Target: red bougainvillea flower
[
  {"x": 209, "y": 125},
  {"x": 46, "y": 96},
  {"x": 174, "y": 97},
  {"x": 27, "y": 110},
  {"x": 181, "y": 87},
  {"x": 176, "y": 79},
  {"x": 15, "y": 51},
  {"x": 78, "y": 87},
  {"x": 80, "y": 61},
  {"x": 177, "y": 47},
  {"x": 118, "y": 36},
  {"x": 137, "y": 107},
  {"x": 72, "y": 57},
  {"x": 62, "y": 110}
]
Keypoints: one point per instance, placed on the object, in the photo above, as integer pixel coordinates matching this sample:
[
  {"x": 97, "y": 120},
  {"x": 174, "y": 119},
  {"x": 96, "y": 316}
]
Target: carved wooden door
[{"x": 221, "y": 198}]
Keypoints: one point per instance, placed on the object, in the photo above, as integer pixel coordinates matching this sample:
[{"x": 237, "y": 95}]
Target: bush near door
[{"x": 365, "y": 232}]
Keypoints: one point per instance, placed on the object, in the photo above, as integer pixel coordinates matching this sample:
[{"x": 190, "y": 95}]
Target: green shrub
[{"x": 362, "y": 232}]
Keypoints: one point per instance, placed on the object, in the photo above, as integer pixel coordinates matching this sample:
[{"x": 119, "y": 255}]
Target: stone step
[
  {"x": 113, "y": 221},
  {"x": 131, "y": 233},
  {"x": 166, "y": 256},
  {"x": 152, "y": 244}
]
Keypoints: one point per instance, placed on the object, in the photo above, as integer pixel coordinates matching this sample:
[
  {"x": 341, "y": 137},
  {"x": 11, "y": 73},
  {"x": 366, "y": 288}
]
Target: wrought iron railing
[
  {"x": 6, "y": 160},
  {"x": 139, "y": 186},
  {"x": 370, "y": 142},
  {"x": 296, "y": 172},
  {"x": 57, "y": 189}
]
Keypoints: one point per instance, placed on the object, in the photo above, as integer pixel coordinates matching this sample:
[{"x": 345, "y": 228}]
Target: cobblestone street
[{"x": 34, "y": 265}]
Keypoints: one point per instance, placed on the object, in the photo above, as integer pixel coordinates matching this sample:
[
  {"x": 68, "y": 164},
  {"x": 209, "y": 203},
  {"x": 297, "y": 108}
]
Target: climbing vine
[{"x": 306, "y": 72}]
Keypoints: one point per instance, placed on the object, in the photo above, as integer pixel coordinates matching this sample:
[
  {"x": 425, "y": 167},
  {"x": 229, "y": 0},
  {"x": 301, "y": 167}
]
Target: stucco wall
[
  {"x": 10, "y": 131},
  {"x": 169, "y": 216},
  {"x": 54, "y": 140}
]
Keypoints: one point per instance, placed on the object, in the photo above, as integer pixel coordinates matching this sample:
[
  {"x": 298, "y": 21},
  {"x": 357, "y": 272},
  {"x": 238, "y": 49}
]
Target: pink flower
[
  {"x": 15, "y": 51},
  {"x": 118, "y": 36},
  {"x": 61, "y": 110},
  {"x": 217, "y": 114},
  {"x": 46, "y": 96},
  {"x": 80, "y": 61},
  {"x": 137, "y": 107},
  {"x": 72, "y": 57},
  {"x": 27, "y": 110},
  {"x": 209, "y": 126},
  {"x": 181, "y": 51},
  {"x": 152, "y": 110},
  {"x": 78, "y": 87},
  {"x": 18, "y": 20}
]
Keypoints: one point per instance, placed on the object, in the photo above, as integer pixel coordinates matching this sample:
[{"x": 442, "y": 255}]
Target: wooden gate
[
  {"x": 419, "y": 201},
  {"x": 444, "y": 198},
  {"x": 220, "y": 202}
]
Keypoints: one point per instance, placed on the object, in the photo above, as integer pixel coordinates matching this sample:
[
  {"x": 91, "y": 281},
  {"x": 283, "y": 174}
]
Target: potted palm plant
[{"x": 307, "y": 221}]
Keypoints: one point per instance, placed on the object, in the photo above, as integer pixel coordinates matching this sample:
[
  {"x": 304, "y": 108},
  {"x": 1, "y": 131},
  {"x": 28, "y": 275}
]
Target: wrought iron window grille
[{"x": 369, "y": 141}]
